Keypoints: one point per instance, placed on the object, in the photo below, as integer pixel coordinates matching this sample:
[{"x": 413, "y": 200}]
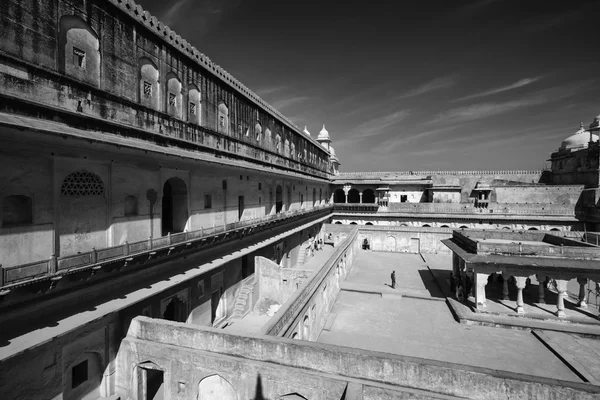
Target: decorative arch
[
  {"x": 353, "y": 196},
  {"x": 533, "y": 229},
  {"x": 278, "y": 143},
  {"x": 292, "y": 396},
  {"x": 286, "y": 147},
  {"x": 194, "y": 111},
  {"x": 79, "y": 50},
  {"x": 554, "y": 230},
  {"x": 82, "y": 213},
  {"x": 223, "y": 118},
  {"x": 463, "y": 227},
  {"x": 368, "y": 196},
  {"x": 149, "y": 88},
  {"x": 292, "y": 150},
  {"x": 389, "y": 244},
  {"x": 444, "y": 226},
  {"x": 426, "y": 226},
  {"x": 82, "y": 183},
  {"x": 173, "y": 97},
  {"x": 339, "y": 196},
  {"x": 215, "y": 387},
  {"x": 306, "y": 328},
  {"x": 258, "y": 131}
]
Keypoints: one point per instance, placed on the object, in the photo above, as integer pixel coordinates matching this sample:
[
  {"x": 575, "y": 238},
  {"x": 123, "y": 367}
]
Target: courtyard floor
[{"x": 418, "y": 322}]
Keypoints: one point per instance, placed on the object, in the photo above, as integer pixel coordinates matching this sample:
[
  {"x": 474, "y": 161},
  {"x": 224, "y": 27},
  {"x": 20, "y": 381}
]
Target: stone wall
[
  {"x": 405, "y": 240},
  {"x": 304, "y": 314},
  {"x": 65, "y": 223},
  {"x": 98, "y": 59},
  {"x": 272, "y": 367}
]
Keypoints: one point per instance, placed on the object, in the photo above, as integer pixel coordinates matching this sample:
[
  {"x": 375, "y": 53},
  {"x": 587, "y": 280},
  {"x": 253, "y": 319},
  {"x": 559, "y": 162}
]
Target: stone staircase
[
  {"x": 302, "y": 254},
  {"x": 241, "y": 307}
]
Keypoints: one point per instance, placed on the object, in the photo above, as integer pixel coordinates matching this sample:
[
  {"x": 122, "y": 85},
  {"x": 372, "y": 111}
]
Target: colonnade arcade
[
  {"x": 472, "y": 279},
  {"x": 353, "y": 195}
]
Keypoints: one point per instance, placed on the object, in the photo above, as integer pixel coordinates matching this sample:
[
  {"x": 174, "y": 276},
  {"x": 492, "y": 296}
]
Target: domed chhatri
[
  {"x": 306, "y": 131},
  {"x": 580, "y": 140},
  {"x": 323, "y": 135},
  {"x": 595, "y": 125}
]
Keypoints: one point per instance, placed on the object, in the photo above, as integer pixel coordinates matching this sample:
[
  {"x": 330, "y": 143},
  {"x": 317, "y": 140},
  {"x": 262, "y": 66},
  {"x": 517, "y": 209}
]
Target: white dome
[
  {"x": 323, "y": 135},
  {"x": 306, "y": 131},
  {"x": 578, "y": 141}
]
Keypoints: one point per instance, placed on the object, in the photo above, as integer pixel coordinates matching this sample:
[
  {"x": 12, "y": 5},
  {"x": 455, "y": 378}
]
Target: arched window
[
  {"x": 79, "y": 48},
  {"x": 82, "y": 183},
  {"x": 278, "y": 143},
  {"x": 286, "y": 148},
  {"x": 194, "y": 105},
  {"x": 131, "y": 206},
  {"x": 292, "y": 150},
  {"x": 268, "y": 138},
  {"x": 149, "y": 89},
  {"x": 17, "y": 210},
  {"x": 223, "y": 118},
  {"x": 173, "y": 95},
  {"x": 258, "y": 132}
]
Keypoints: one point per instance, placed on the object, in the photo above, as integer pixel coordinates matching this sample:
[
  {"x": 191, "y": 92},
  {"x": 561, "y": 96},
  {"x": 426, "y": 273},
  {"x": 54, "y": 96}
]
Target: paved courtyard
[{"x": 422, "y": 325}]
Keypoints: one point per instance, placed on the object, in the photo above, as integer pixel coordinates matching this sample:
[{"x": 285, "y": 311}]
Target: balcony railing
[
  {"x": 54, "y": 268},
  {"x": 458, "y": 208}
]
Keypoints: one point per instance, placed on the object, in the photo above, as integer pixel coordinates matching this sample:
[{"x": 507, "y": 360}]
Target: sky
[{"x": 411, "y": 85}]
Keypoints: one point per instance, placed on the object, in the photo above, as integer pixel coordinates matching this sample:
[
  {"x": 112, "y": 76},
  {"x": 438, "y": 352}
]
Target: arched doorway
[
  {"x": 353, "y": 196},
  {"x": 368, "y": 196},
  {"x": 389, "y": 244},
  {"x": 174, "y": 206},
  {"x": 216, "y": 387},
  {"x": 352, "y": 223},
  {"x": 278, "y": 199},
  {"x": 339, "y": 196}
]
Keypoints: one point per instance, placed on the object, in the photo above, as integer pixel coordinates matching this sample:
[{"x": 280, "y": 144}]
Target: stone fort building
[{"x": 167, "y": 234}]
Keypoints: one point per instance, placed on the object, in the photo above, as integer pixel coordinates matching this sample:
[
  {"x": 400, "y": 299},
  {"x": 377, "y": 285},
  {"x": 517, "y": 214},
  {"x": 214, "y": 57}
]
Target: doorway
[
  {"x": 150, "y": 384},
  {"x": 174, "y": 206},
  {"x": 278, "y": 199},
  {"x": 240, "y": 207},
  {"x": 214, "y": 304},
  {"x": 415, "y": 245}
]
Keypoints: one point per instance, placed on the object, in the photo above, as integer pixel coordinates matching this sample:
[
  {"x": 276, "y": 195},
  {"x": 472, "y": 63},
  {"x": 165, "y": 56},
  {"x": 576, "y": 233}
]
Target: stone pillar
[
  {"x": 346, "y": 190},
  {"x": 360, "y": 195},
  {"x": 561, "y": 287},
  {"x": 480, "y": 283},
  {"x": 582, "y": 282},
  {"x": 541, "y": 288},
  {"x": 505, "y": 287},
  {"x": 520, "y": 282}
]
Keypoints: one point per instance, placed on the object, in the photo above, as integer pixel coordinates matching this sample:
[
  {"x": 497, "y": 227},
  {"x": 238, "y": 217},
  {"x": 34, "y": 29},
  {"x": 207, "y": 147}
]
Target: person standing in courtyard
[{"x": 393, "y": 279}]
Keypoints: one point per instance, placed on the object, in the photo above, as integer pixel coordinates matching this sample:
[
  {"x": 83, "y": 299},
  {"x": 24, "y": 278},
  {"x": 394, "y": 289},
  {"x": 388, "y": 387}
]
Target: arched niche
[
  {"x": 173, "y": 95},
  {"x": 339, "y": 196},
  {"x": 223, "y": 118},
  {"x": 17, "y": 210},
  {"x": 82, "y": 213},
  {"x": 258, "y": 132},
  {"x": 215, "y": 387},
  {"x": 79, "y": 50},
  {"x": 353, "y": 196},
  {"x": 194, "y": 109},
  {"x": 149, "y": 88}
]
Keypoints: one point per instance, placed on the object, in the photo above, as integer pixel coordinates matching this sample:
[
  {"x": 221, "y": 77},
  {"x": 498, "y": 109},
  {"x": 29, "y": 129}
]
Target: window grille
[
  {"x": 82, "y": 183},
  {"x": 79, "y": 57},
  {"x": 147, "y": 89},
  {"x": 172, "y": 99}
]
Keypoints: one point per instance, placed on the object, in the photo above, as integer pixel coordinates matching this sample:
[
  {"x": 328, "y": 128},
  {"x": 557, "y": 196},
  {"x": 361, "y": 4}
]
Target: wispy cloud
[
  {"x": 171, "y": 14},
  {"x": 284, "y": 103},
  {"x": 393, "y": 144},
  {"x": 270, "y": 89},
  {"x": 374, "y": 126},
  {"x": 516, "y": 85},
  {"x": 433, "y": 85},
  {"x": 489, "y": 109}
]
